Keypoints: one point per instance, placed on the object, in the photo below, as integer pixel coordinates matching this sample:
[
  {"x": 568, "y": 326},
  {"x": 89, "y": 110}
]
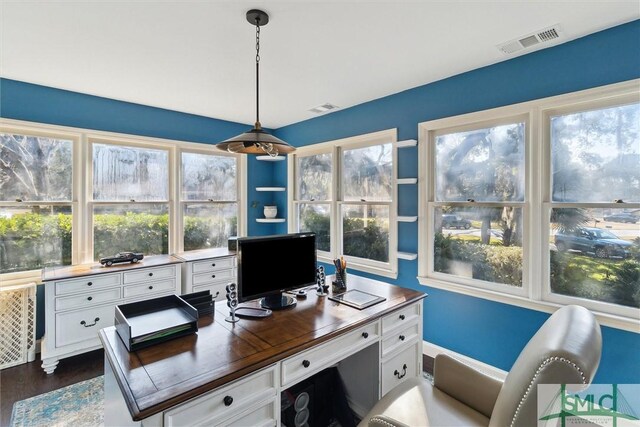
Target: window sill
[{"x": 605, "y": 319}]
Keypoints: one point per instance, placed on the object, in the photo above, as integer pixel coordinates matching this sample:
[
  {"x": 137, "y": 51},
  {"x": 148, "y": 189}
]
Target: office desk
[{"x": 232, "y": 374}]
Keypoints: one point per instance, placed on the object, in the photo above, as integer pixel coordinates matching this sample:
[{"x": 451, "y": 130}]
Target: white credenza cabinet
[
  {"x": 80, "y": 300},
  {"x": 208, "y": 270}
]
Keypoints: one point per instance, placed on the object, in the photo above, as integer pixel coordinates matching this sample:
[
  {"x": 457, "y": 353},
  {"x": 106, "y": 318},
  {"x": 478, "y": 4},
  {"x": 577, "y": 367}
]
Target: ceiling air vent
[
  {"x": 323, "y": 108},
  {"x": 546, "y": 35}
]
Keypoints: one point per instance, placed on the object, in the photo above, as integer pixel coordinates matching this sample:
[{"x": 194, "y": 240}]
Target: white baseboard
[{"x": 432, "y": 350}]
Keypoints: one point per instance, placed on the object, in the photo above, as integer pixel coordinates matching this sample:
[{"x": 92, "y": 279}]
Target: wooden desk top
[
  {"x": 159, "y": 377},
  {"x": 80, "y": 270}
]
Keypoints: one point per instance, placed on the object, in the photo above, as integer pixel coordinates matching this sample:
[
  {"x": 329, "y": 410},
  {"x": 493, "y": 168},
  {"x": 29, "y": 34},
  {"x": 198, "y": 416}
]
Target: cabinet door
[
  {"x": 83, "y": 325},
  {"x": 399, "y": 368}
]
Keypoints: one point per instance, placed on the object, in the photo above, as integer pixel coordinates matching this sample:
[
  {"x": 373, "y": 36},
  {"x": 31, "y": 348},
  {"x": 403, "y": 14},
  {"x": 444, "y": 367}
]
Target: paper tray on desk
[{"x": 144, "y": 323}]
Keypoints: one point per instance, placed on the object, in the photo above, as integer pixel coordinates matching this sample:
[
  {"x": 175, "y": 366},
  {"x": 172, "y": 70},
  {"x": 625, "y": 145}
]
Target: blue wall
[{"x": 488, "y": 331}]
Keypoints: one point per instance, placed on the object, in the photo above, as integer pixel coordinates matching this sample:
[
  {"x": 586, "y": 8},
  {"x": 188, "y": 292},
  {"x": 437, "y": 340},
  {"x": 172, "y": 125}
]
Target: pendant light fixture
[{"x": 256, "y": 140}]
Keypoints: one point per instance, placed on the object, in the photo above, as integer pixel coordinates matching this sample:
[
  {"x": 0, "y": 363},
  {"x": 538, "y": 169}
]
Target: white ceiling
[{"x": 198, "y": 56}]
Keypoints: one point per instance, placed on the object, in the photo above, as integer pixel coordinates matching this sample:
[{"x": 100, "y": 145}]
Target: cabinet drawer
[
  {"x": 264, "y": 415},
  {"x": 87, "y": 284},
  {"x": 82, "y": 325},
  {"x": 214, "y": 276},
  {"x": 222, "y": 403},
  {"x": 399, "y": 338},
  {"x": 150, "y": 274},
  {"x": 315, "y": 359},
  {"x": 218, "y": 290},
  {"x": 88, "y": 299},
  {"x": 399, "y": 368},
  {"x": 150, "y": 288},
  {"x": 214, "y": 264},
  {"x": 401, "y": 317}
]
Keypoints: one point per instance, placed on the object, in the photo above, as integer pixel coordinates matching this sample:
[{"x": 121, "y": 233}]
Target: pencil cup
[{"x": 340, "y": 284}]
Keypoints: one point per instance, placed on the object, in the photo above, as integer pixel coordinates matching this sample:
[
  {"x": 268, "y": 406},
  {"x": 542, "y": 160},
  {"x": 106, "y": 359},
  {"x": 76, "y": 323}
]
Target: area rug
[{"x": 80, "y": 404}]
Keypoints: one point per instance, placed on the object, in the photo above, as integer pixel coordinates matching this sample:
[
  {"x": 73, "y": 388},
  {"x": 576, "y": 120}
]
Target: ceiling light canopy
[{"x": 256, "y": 140}]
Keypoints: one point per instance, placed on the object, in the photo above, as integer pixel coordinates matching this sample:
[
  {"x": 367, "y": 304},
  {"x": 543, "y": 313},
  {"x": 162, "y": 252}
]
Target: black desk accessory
[
  {"x": 252, "y": 312},
  {"x": 232, "y": 302},
  {"x": 201, "y": 301},
  {"x": 357, "y": 299},
  {"x": 322, "y": 289},
  {"x": 340, "y": 284}
]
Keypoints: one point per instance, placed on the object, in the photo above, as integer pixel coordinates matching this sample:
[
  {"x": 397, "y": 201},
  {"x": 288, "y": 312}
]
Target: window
[
  {"x": 594, "y": 239},
  {"x": 477, "y": 203},
  {"x": 355, "y": 196},
  {"x": 35, "y": 201},
  {"x": 209, "y": 200},
  {"x": 537, "y": 204},
  {"x": 130, "y": 199},
  {"x": 70, "y": 196}
]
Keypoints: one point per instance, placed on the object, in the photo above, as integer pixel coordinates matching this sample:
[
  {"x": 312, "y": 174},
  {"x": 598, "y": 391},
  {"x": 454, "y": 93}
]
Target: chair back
[{"x": 565, "y": 350}]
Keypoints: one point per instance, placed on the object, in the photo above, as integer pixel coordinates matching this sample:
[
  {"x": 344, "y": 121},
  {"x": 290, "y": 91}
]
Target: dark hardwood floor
[{"x": 28, "y": 380}]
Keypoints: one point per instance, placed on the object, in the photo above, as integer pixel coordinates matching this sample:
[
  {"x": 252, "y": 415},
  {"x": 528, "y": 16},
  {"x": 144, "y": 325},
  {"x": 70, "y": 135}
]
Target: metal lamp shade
[{"x": 255, "y": 141}]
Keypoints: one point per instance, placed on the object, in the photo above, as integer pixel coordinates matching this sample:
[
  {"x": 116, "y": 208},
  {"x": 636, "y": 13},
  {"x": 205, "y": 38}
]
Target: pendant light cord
[{"x": 258, "y": 73}]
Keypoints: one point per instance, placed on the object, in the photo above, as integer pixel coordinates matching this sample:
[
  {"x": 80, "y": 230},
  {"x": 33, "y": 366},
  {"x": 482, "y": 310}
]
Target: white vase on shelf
[{"x": 270, "y": 212}]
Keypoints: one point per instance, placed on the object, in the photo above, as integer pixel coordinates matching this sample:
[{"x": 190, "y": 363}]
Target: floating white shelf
[
  {"x": 270, "y": 220},
  {"x": 271, "y": 159},
  {"x": 407, "y": 181},
  {"x": 407, "y": 256},
  {"x": 270, "y": 188},
  {"x": 407, "y": 218},
  {"x": 407, "y": 143}
]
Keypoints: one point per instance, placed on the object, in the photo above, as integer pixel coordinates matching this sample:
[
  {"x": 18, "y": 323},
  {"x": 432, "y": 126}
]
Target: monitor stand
[{"x": 277, "y": 302}]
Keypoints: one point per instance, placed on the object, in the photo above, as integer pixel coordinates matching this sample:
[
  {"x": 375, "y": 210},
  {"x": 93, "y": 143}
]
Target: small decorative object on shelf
[
  {"x": 270, "y": 211},
  {"x": 133, "y": 257}
]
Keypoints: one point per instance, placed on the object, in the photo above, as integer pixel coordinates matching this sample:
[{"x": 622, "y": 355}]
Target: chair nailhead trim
[
  {"x": 535, "y": 376},
  {"x": 381, "y": 421}
]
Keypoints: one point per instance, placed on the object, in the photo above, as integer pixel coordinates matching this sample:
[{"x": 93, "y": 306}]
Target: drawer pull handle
[
  {"x": 150, "y": 287},
  {"x": 401, "y": 375},
  {"x": 90, "y": 283},
  {"x": 216, "y": 295},
  {"x": 213, "y": 276},
  {"x": 213, "y": 265},
  {"x": 306, "y": 363},
  {"x": 401, "y": 337},
  {"x": 89, "y": 298},
  {"x": 365, "y": 335},
  {"x": 96, "y": 320},
  {"x": 402, "y": 317},
  {"x": 228, "y": 400},
  {"x": 150, "y": 274}
]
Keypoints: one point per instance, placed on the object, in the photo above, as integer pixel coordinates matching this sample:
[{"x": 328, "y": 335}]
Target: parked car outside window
[
  {"x": 602, "y": 243},
  {"x": 455, "y": 221},
  {"x": 621, "y": 217}
]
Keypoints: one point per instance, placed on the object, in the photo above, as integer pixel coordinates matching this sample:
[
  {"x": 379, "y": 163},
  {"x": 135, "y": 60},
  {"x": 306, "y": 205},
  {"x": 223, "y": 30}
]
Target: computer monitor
[{"x": 270, "y": 265}]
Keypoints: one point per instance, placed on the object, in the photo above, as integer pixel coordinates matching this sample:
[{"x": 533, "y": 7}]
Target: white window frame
[
  {"x": 336, "y": 149},
  {"x": 536, "y": 225},
  {"x": 82, "y": 191}
]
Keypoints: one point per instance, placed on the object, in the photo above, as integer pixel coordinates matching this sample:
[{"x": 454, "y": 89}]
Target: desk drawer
[
  {"x": 214, "y": 264},
  {"x": 211, "y": 408},
  {"x": 88, "y": 283},
  {"x": 78, "y": 326},
  {"x": 400, "y": 338},
  {"x": 88, "y": 299},
  {"x": 150, "y": 288},
  {"x": 147, "y": 274},
  {"x": 218, "y": 290},
  {"x": 401, "y": 317},
  {"x": 315, "y": 359},
  {"x": 225, "y": 276},
  {"x": 264, "y": 415},
  {"x": 400, "y": 368}
]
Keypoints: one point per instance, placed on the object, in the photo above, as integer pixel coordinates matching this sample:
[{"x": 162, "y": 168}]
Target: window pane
[
  {"x": 135, "y": 228},
  {"x": 366, "y": 231},
  {"x": 125, "y": 173},
  {"x": 316, "y": 218},
  {"x": 209, "y": 225},
  {"x": 32, "y": 237},
  {"x": 367, "y": 173},
  {"x": 595, "y": 254},
  {"x": 34, "y": 168},
  {"x": 207, "y": 177},
  {"x": 596, "y": 155},
  {"x": 314, "y": 177},
  {"x": 479, "y": 243},
  {"x": 482, "y": 164}
]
